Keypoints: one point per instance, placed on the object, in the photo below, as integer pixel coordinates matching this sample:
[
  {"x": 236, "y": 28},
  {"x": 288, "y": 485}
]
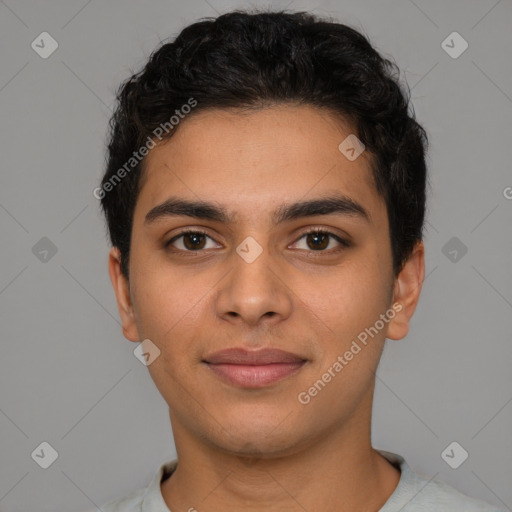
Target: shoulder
[
  {"x": 147, "y": 499},
  {"x": 437, "y": 496},
  {"x": 130, "y": 503},
  {"x": 417, "y": 493}
]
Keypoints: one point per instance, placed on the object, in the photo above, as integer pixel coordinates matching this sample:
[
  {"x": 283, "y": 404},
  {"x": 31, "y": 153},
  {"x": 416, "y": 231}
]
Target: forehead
[{"x": 253, "y": 161}]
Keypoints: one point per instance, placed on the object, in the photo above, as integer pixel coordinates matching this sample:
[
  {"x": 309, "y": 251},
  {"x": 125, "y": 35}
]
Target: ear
[
  {"x": 123, "y": 297},
  {"x": 406, "y": 292}
]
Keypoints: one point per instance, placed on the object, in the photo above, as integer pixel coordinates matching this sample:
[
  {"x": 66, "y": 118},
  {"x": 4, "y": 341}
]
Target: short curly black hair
[{"x": 247, "y": 60}]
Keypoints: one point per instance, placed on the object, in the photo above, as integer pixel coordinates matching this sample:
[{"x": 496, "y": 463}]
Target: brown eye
[
  {"x": 194, "y": 241},
  {"x": 189, "y": 241},
  {"x": 317, "y": 240}
]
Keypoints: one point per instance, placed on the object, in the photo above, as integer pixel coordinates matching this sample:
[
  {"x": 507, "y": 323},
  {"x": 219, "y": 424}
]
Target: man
[{"x": 265, "y": 198}]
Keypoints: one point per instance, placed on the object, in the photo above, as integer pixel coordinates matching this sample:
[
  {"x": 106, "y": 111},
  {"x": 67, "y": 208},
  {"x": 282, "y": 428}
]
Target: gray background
[{"x": 68, "y": 376}]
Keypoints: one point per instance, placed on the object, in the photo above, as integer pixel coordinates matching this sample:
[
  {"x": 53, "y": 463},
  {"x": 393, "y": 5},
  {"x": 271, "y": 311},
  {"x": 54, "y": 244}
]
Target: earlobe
[
  {"x": 406, "y": 293},
  {"x": 123, "y": 296}
]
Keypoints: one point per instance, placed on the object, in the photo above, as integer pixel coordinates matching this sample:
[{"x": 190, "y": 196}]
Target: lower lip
[{"x": 253, "y": 376}]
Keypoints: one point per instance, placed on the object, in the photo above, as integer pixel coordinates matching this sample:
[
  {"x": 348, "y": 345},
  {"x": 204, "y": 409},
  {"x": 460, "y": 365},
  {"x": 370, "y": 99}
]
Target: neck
[{"x": 337, "y": 473}]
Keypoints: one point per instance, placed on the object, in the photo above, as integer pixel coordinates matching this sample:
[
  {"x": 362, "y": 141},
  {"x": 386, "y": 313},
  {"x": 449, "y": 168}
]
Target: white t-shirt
[{"x": 414, "y": 493}]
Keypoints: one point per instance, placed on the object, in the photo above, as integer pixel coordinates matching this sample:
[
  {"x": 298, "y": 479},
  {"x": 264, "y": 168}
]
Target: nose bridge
[{"x": 254, "y": 288}]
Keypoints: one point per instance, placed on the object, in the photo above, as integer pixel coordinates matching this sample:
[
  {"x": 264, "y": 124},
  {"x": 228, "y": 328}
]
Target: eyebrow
[{"x": 338, "y": 205}]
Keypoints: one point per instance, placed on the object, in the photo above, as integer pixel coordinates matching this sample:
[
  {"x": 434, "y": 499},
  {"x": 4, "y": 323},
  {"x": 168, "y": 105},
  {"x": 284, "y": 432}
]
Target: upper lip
[{"x": 253, "y": 357}]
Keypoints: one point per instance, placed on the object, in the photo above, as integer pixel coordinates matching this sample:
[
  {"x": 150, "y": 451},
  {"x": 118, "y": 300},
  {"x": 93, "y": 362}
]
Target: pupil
[
  {"x": 319, "y": 237},
  {"x": 194, "y": 244}
]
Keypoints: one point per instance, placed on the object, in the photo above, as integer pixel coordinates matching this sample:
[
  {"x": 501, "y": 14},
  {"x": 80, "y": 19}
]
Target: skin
[{"x": 261, "y": 449}]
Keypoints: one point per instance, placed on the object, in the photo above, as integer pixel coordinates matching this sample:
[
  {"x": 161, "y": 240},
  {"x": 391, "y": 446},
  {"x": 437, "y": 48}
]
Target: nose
[{"x": 254, "y": 292}]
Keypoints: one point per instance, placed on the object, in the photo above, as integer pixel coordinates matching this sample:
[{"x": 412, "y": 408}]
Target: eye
[
  {"x": 319, "y": 240},
  {"x": 189, "y": 241},
  {"x": 316, "y": 240}
]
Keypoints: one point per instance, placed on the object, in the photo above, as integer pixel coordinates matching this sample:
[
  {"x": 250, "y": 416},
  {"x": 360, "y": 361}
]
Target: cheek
[
  {"x": 169, "y": 308},
  {"x": 348, "y": 301},
  {"x": 156, "y": 302}
]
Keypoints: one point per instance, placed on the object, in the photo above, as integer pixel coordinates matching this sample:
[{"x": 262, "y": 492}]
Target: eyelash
[{"x": 344, "y": 243}]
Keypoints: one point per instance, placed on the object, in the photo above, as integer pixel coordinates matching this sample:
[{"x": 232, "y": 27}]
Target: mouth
[{"x": 253, "y": 369}]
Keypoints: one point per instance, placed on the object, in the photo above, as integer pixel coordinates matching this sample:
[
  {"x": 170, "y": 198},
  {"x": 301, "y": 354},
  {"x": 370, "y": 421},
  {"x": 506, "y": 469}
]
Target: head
[{"x": 246, "y": 116}]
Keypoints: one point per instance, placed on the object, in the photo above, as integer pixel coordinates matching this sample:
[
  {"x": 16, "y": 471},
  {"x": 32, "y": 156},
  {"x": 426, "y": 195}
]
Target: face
[{"x": 250, "y": 275}]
